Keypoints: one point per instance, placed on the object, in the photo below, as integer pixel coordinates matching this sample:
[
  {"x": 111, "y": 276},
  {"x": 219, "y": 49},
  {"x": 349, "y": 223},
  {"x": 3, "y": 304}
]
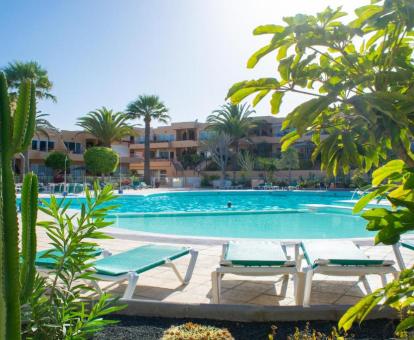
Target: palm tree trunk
[
  {"x": 234, "y": 160},
  {"x": 147, "y": 153}
]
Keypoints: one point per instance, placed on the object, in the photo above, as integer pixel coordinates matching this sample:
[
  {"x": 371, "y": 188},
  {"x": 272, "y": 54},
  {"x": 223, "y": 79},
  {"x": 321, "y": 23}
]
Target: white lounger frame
[
  {"x": 346, "y": 270},
  {"x": 398, "y": 255},
  {"x": 218, "y": 273},
  {"x": 132, "y": 277}
]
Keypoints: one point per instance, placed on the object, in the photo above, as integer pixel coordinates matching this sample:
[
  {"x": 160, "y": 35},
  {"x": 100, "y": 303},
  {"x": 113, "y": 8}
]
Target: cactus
[
  {"x": 16, "y": 132},
  {"x": 29, "y": 217}
]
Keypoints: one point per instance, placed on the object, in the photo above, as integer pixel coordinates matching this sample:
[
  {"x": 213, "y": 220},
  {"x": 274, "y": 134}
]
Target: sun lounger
[
  {"x": 46, "y": 263},
  {"x": 130, "y": 264},
  {"x": 409, "y": 244},
  {"x": 258, "y": 258},
  {"x": 341, "y": 258}
]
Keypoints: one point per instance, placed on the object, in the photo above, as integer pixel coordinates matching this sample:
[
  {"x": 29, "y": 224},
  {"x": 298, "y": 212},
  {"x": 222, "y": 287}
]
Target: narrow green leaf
[
  {"x": 276, "y": 101},
  {"x": 268, "y": 29}
]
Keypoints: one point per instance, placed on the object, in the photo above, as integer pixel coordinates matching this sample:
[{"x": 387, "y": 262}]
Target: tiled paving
[{"x": 161, "y": 284}]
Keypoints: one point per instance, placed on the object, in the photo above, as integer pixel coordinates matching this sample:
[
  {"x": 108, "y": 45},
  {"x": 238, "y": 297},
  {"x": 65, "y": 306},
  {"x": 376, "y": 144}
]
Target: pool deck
[{"x": 161, "y": 284}]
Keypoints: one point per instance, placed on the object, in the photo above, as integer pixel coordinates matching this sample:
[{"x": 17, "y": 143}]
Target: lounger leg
[
  {"x": 216, "y": 286},
  {"x": 398, "y": 256},
  {"x": 297, "y": 256},
  {"x": 366, "y": 284},
  {"x": 299, "y": 286},
  {"x": 191, "y": 266},
  {"x": 308, "y": 287},
  {"x": 384, "y": 280},
  {"x": 283, "y": 288},
  {"x": 95, "y": 285},
  {"x": 132, "y": 283}
]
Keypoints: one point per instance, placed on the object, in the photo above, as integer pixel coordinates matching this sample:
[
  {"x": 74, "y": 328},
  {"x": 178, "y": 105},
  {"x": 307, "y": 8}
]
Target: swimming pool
[{"x": 253, "y": 214}]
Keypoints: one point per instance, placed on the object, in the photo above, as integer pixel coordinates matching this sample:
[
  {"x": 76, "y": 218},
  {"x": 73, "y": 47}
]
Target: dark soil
[{"x": 144, "y": 328}]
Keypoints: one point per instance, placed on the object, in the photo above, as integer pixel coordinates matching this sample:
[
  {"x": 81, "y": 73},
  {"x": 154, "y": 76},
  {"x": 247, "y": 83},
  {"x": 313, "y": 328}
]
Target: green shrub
[
  {"x": 207, "y": 180},
  {"x": 100, "y": 160},
  {"x": 56, "y": 161},
  {"x": 195, "y": 331},
  {"x": 57, "y": 308}
]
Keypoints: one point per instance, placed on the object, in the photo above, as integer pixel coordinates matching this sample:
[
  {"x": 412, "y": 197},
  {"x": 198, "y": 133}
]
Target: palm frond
[
  {"x": 106, "y": 125},
  {"x": 148, "y": 108}
]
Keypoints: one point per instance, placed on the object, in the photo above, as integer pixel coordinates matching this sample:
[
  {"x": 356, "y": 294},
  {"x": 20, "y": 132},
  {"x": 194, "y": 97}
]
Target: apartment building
[{"x": 168, "y": 146}]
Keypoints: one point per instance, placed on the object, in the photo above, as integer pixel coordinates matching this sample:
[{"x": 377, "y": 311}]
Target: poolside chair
[
  {"x": 409, "y": 244},
  {"x": 130, "y": 264},
  {"x": 45, "y": 264},
  {"x": 255, "y": 258},
  {"x": 341, "y": 258}
]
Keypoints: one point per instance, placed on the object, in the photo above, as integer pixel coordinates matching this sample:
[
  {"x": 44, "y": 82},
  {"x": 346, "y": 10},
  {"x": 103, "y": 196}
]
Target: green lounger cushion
[
  {"x": 48, "y": 262},
  {"x": 408, "y": 244},
  {"x": 139, "y": 259},
  {"x": 337, "y": 252},
  {"x": 257, "y": 253}
]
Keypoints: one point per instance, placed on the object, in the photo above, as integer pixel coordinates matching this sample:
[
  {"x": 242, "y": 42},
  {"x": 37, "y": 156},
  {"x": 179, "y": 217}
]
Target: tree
[
  {"x": 58, "y": 161},
  {"x": 360, "y": 78},
  {"x": 106, "y": 125},
  {"x": 100, "y": 160},
  {"x": 19, "y": 71},
  {"x": 289, "y": 160},
  {"x": 235, "y": 121},
  {"x": 270, "y": 165},
  {"x": 246, "y": 162},
  {"x": 148, "y": 108},
  {"x": 218, "y": 145}
]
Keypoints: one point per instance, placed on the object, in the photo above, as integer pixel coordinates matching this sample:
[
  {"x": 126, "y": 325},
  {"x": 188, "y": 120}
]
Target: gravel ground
[{"x": 144, "y": 328}]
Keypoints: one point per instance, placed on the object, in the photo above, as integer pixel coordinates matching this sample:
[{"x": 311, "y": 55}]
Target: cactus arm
[
  {"x": 29, "y": 217},
  {"x": 21, "y": 116},
  {"x": 5, "y": 114},
  {"x": 3, "y": 309},
  {"x": 10, "y": 280},
  {"x": 11, "y": 248},
  {"x": 31, "y": 121}
]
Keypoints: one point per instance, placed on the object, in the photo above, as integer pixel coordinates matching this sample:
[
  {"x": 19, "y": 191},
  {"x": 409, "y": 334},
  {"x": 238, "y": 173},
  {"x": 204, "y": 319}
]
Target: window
[
  {"x": 74, "y": 147},
  {"x": 42, "y": 145},
  {"x": 34, "y": 144},
  {"x": 50, "y": 145},
  {"x": 163, "y": 154}
]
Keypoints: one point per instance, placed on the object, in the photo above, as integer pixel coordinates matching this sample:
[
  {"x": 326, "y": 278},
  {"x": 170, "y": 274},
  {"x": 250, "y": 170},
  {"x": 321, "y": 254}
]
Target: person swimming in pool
[{"x": 229, "y": 204}]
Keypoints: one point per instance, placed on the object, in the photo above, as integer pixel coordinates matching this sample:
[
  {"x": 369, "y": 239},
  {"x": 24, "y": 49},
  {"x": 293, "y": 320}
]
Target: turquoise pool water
[{"x": 257, "y": 214}]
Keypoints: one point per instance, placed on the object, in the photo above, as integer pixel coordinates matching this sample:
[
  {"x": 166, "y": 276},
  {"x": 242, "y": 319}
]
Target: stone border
[{"x": 244, "y": 313}]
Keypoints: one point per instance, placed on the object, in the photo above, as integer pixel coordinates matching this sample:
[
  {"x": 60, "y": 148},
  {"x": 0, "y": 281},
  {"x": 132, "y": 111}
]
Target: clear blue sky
[{"x": 107, "y": 52}]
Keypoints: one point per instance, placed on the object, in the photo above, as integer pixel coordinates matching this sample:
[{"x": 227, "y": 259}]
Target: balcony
[
  {"x": 265, "y": 139},
  {"x": 153, "y": 145},
  {"x": 185, "y": 143},
  {"x": 137, "y": 163}
]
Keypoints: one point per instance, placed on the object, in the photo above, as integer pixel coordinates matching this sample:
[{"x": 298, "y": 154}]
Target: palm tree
[
  {"x": 18, "y": 71},
  {"x": 106, "y": 125},
  {"x": 289, "y": 160},
  {"x": 235, "y": 121},
  {"x": 148, "y": 108}
]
